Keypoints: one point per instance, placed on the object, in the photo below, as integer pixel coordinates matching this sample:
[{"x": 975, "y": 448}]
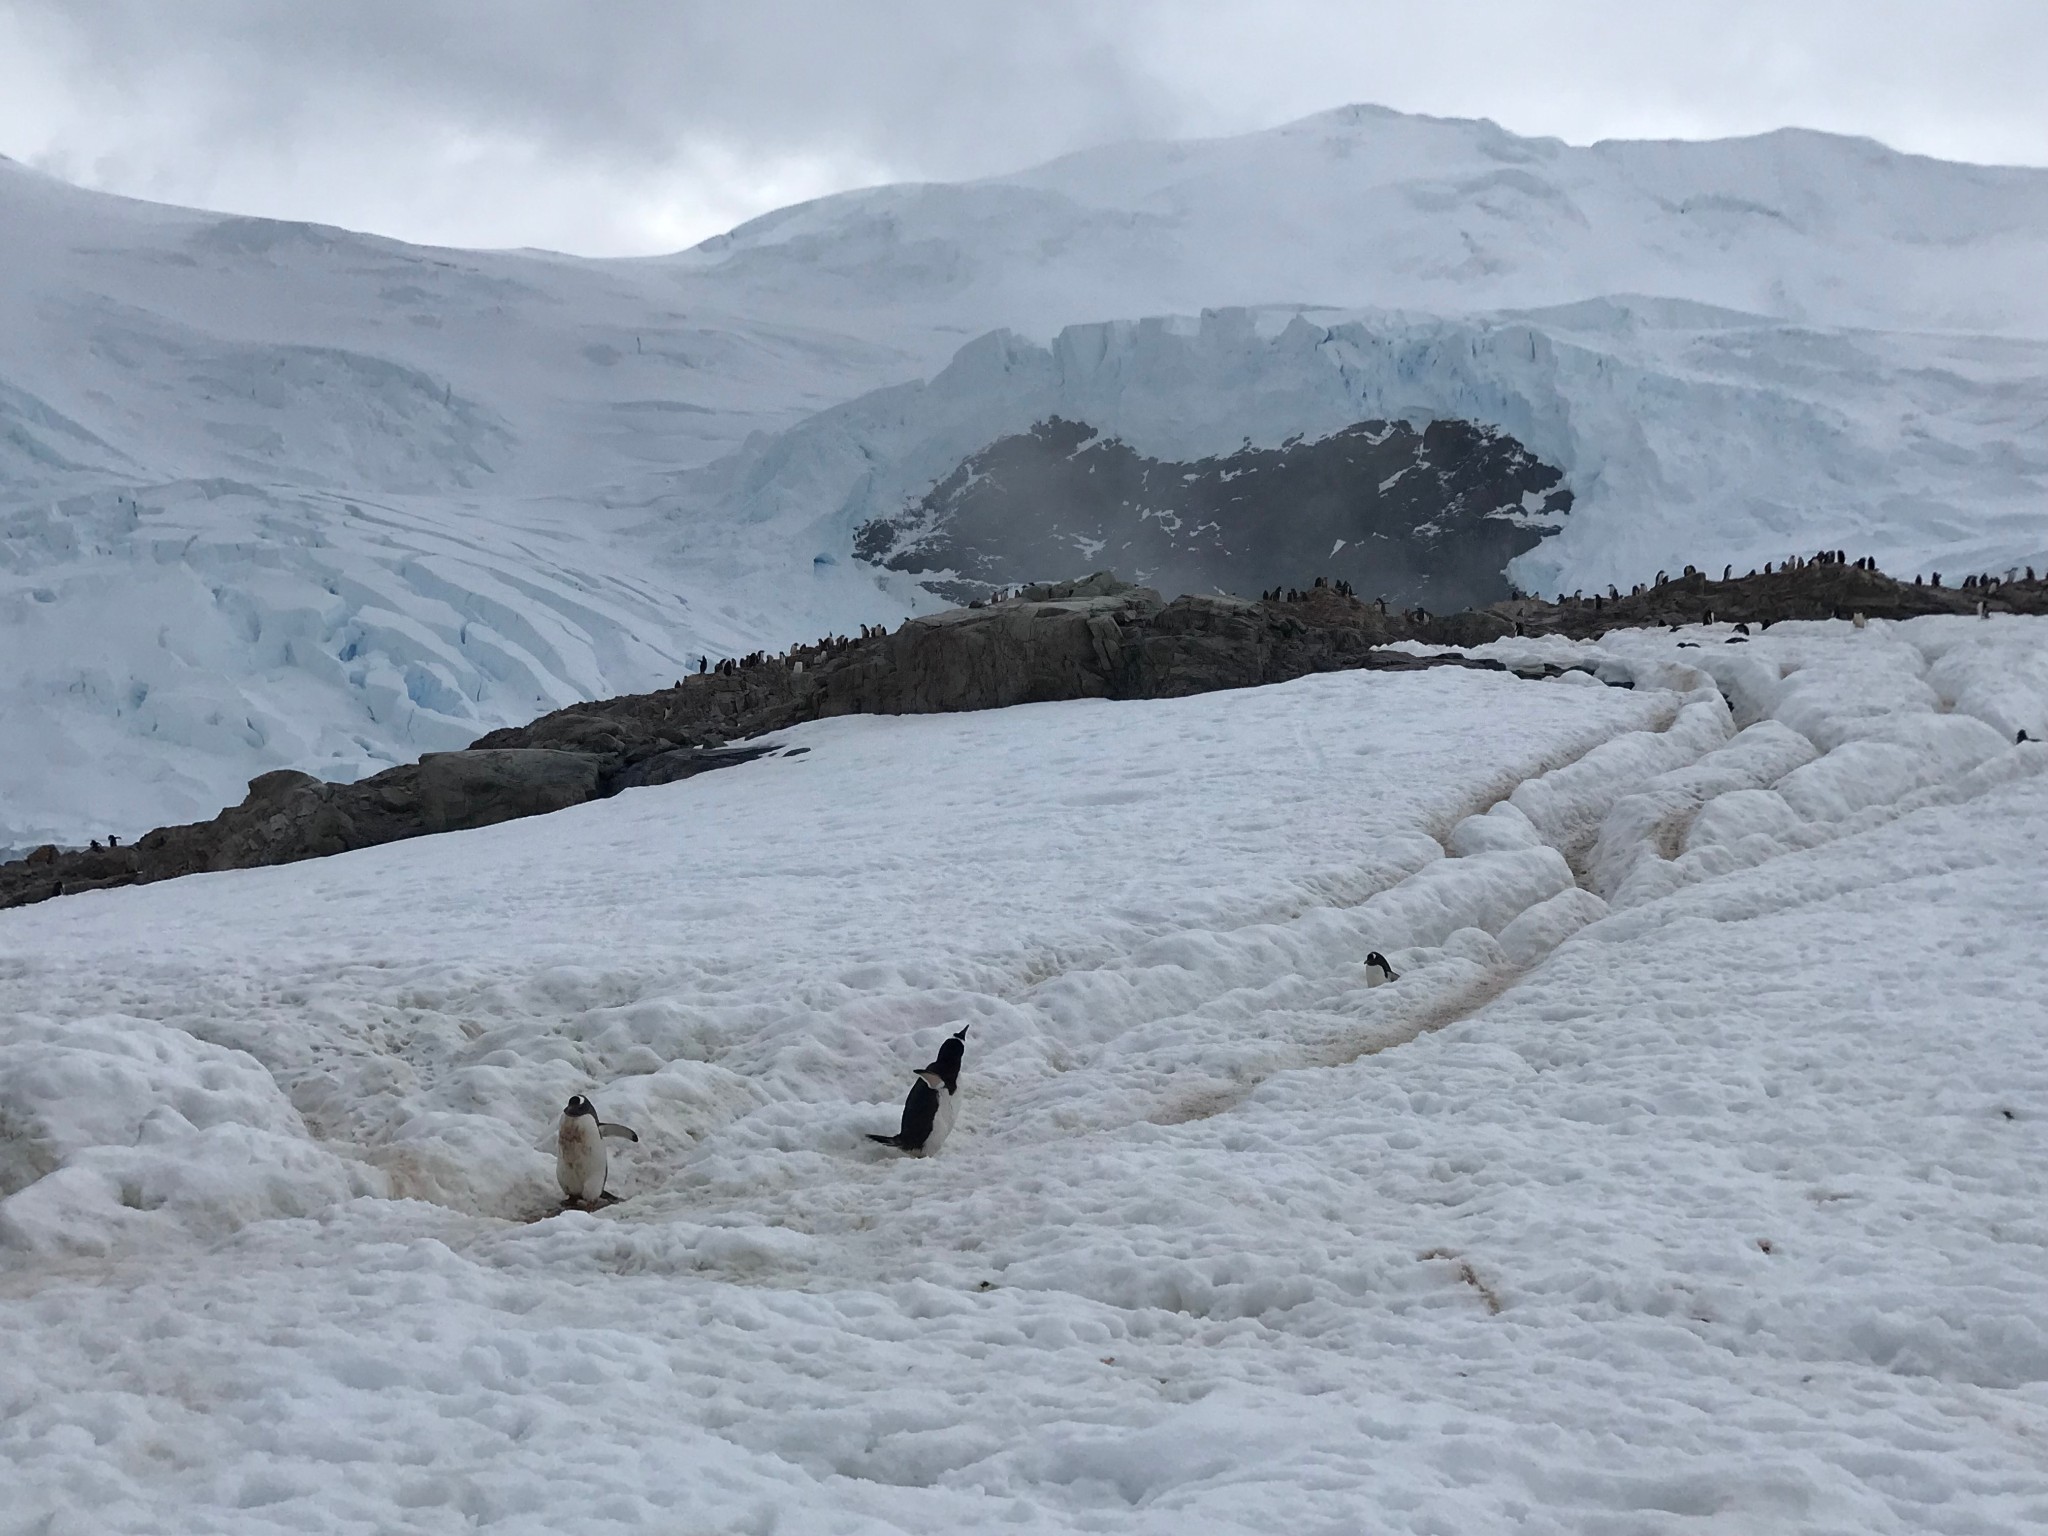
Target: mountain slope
[
  {"x": 1366, "y": 208},
  {"x": 279, "y": 495}
]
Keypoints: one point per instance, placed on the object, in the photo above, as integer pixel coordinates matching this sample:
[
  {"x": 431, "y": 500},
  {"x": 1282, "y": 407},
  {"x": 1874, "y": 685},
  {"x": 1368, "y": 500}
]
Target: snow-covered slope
[
  {"x": 1689, "y": 1177},
  {"x": 328, "y": 500},
  {"x": 1364, "y": 207},
  {"x": 272, "y": 494}
]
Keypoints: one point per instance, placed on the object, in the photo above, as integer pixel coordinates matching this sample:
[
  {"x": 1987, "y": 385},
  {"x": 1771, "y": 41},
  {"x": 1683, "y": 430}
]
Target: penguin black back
[{"x": 933, "y": 1101}]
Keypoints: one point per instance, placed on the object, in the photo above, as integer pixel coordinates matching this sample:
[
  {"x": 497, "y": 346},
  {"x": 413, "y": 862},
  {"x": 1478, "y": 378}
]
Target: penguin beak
[{"x": 961, "y": 1032}]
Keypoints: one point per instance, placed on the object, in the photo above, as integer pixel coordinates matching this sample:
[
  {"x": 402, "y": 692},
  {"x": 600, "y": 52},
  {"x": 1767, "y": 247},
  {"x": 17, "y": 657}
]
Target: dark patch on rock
[
  {"x": 460, "y": 790},
  {"x": 685, "y": 763},
  {"x": 1427, "y": 517}
]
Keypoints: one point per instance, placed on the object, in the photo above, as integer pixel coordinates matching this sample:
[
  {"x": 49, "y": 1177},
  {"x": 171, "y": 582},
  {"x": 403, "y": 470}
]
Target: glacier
[{"x": 277, "y": 495}]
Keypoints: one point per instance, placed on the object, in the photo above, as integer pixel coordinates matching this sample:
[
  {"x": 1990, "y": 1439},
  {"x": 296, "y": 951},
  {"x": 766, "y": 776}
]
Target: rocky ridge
[{"x": 1097, "y": 638}]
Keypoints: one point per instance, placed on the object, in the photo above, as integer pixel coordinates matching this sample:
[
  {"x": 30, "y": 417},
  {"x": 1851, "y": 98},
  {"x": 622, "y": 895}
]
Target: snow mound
[{"x": 117, "y": 1131}]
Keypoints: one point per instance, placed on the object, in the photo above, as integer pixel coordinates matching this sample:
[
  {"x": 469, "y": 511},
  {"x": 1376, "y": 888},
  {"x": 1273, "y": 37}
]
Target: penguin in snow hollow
[
  {"x": 933, "y": 1104},
  {"x": 580, "y": 1159},
  {"x": 1377, "y": 971}
]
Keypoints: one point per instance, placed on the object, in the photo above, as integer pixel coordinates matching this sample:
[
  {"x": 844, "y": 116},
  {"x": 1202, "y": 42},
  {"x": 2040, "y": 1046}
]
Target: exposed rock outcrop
[
  {"x": 1098, "y": 638},
  {"x": 1426, "y": 515}
]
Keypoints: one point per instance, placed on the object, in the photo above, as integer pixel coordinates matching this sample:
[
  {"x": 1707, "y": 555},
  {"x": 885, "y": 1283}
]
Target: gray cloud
[{"x": 633, "y": 125}]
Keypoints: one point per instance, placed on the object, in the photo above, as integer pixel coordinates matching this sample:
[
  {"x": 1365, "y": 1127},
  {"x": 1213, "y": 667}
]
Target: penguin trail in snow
[
  {"x": 580, "y": 1158},
  {"x": 933, "y": 1104}
]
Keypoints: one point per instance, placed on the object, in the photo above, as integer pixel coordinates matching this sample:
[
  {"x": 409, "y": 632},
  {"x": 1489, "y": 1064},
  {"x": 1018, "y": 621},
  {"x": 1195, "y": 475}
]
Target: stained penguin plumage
[
  {"x": 581, "y": 1162},
  {"x": 1377, "y": 971},
  {"x": 933, "y": 1103}
]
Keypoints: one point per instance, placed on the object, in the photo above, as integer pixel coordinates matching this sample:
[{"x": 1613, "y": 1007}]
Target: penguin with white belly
[
  {"x": 933, "y": 1104},
  {"x": 580, "y": 1158},
  {"x": 1377, "y": 972}
]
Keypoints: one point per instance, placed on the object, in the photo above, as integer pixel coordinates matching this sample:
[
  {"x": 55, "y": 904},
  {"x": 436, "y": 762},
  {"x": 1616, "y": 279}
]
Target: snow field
[
  {"x": 744, "y": 962},
  {"x": 1720, "y": 1210}
]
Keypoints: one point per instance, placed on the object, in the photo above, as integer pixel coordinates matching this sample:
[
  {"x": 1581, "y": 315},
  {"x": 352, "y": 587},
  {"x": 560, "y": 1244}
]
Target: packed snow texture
[
  {"x": 1691, "y": 1176},
  {"x": 279, "y": 495}
]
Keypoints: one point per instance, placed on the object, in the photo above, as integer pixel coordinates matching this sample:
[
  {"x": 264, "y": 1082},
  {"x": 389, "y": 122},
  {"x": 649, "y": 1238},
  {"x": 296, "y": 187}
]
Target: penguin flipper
[{"x": 618, "y": 1132}]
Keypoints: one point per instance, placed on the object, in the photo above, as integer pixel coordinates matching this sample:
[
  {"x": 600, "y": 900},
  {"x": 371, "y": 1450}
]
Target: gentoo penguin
[
  {"x": 933, "y": 1104},
  {"x": 1377, "y": 971},
  {"x": 579, "y": 1152}
]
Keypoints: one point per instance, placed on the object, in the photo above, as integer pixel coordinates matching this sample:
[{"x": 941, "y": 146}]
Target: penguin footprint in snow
[
  {"x": 580, "y": 1158},
  {"x": 933, "y": 1104},
  {"x": 1377, "y": 971}
]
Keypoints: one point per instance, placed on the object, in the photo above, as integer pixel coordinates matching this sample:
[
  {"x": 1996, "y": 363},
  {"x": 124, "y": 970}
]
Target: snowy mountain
[{"x": 279, "y": 495}]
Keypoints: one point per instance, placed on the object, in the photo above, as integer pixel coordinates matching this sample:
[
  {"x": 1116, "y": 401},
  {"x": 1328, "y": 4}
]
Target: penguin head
[
  {"x": 952, "y": 1050},
  {"x": 579, "y": 1105}
]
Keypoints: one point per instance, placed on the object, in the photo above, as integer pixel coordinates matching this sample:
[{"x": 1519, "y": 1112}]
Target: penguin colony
[{"x": 929, "y": 1111}]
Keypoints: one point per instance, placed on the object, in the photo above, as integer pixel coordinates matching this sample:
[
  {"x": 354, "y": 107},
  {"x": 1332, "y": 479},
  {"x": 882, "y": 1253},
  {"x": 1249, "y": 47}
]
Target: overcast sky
[{"x": 628, "y": 126}]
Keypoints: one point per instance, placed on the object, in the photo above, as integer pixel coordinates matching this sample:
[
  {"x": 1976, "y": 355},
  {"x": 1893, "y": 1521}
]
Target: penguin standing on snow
[
  {"x": 933, "y": 1104},
  {"x": 1377, "y": 971},
  {"x": 580, "y": 1160}
]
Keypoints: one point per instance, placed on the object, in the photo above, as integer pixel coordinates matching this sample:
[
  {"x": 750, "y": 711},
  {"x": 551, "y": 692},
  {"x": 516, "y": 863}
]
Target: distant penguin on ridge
[
  {"x": 1377, "y": 972},
  {"x": 580, "y": 1159},
  {"x": 933, "y": 1104}
]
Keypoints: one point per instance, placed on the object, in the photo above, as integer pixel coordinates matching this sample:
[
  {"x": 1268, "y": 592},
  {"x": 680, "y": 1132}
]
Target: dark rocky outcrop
[
  {"x": 1099, "y": 638},
  {"x": 1430, "y": 515},
  {"x": 1807, "y": 591},
  {"x": 458, "y": 790}
]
